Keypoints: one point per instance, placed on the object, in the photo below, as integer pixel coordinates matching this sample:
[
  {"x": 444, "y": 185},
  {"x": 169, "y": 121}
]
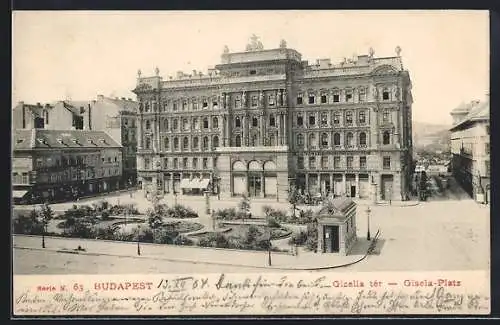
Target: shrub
[
  {"x": 180, "y": 212},
  {"x": 273, "y": 223},
  {"x": 298, "y": 238},
  {"x": 28, "y": 225},
  {"x": 183, "y": 240}
]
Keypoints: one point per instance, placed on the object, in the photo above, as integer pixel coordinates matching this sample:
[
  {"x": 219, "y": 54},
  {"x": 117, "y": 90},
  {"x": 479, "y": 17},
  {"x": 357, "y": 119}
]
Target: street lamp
[
  {"x": 368, "y": 237},
  {"x": 138, "y": 240},
  {"x": 269, "y": 243}
]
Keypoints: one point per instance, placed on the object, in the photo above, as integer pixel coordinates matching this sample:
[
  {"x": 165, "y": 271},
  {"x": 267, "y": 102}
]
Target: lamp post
[
  {"x": 269, "y": 243},
  {"x": 138, "y": 240},
  {"x": 368, "y": 237}
]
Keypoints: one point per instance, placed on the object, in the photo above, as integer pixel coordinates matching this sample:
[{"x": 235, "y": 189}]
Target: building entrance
[
  {"x": 353, "y": 191},
  {"x": 331, "y": 239},
  {"x": 254, "y": 186}
]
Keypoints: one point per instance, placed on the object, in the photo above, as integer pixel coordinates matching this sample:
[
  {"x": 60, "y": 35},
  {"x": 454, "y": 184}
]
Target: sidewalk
[{"x": 281, "y": 261}]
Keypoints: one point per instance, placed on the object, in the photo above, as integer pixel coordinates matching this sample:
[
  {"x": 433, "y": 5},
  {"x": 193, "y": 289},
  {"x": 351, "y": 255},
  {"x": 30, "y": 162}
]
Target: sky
[{"x": 80, "y": 54}]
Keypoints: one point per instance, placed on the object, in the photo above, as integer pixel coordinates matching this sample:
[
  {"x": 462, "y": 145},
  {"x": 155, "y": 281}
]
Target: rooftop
[
  {"x": 61, "y": 139},
  {"x": 336, "y": 207},
  {"x": 478, "y": 111}
]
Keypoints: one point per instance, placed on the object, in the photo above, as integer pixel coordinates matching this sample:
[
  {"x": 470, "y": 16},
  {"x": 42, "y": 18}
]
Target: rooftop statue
[
  {"x": 226, "y": 49},
  {"x": 255, "y": 44},
  {"x": 283, "y": 44}
]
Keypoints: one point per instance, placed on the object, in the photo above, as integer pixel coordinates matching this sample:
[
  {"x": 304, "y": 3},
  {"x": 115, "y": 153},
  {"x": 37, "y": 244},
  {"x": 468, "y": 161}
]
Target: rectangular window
[
  {"x": 176, "y": 163},
  {"x": 272, "y": 120},
  {"x": 237, "y": 102},
  {"x": 312, "y": 162},
  {"x": 255, "y": 101},
  {"x": 324, "y": 162},
  {"x": 362, "y": 162},
  {"x": 336, "y": 98},
  {"x": 387, "y": 163},
  {"x": 300, "y": 120},
  {"x": 195, "y": 105},
  {"x": 324, "y": 119},
  {"x": 312, "y": 120},
  {"x": 487, "y": 167},
  {"x": 271, "y": 100},
  {"x": 323, "y": 99},
  {"x": 348, "y": 96},
  {"x": 362, "y": 117},
  {"x": 300, "y": 162},
  {"x": 165, "y": 163},
  {"x": 299, "y": 99},
  {"x": 25, "y": 178},
  {"x": 195, "y": 163},
  {"x": 184, "y": 105},
  {"x": 215, "y": 104},
  {"x": 385, "y": 95},
  {"x": 205, "y": 104},
  {"x": 184, "y": 163},
  {"x": 336, "y": 118},
  {"x": 385, "y": 116},
  {"x": 312, "y": 99},
  {"x": 174, "y": 106},
  {"x": 362, "y": 94},
  {"x": 487, "y": 148},
  {"x": 349, "y": 162},
  {"x": 205, "y": 163},
  {"x": 336, "y": 162}
]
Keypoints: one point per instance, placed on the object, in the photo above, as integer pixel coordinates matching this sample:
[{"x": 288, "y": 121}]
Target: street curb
[
  {"x": 197, "y": 262},
  {"x": 397, "y": 205}
]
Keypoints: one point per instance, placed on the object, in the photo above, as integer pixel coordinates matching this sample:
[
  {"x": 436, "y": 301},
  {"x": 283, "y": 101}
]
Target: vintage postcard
[{"x": 247, "y": 163}]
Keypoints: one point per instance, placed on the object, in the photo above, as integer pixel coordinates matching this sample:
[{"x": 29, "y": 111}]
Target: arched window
[
  {"x": 348, "y": 117},
  {"x": 362, "y": 117},
  {"x": 148, "y": 143},
  {"x": 215, "y": 141},
  {"x": 185, "y": 143},
  {"x": 237, "y": 122},
  {"x": 185, "y": 124},
  {"x": 386, "y": 138},
  {"x": 312, "y": 140},
  {"x": 300, "y": 140},
  {"x": 255, "y": 122},
  {"x": 205, "y": 123},
  {"x": 167, "y": 144},
  {"x": 349, "y": 139},
  {"x": 385, "y": 94},
  {"x": 195, "y": 143},
  {"x": 215, "y": 123},
  {"x": 324, "y": 140},
  {"x": 362, "y": 139},
  {"x": 165, "y": 124},
  {"x": 148, "y": 125},
  {"x": 176, "y": 143},
  {"x": 336, "y": 139},
  {"x": 176, "y": 124},
  {"x": 196, "y": 123},
  {"x": 205, "y": 143},
  {"x": 238, "y": 141}
]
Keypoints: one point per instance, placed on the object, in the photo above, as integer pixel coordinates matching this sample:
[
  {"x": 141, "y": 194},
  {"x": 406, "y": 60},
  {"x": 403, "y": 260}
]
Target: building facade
[
  {"x": 264, "y": 121},
  {"x": 51, "y": 165},
  {"x": 115, "y": 116},
  {"x": 470, "y": 148}
]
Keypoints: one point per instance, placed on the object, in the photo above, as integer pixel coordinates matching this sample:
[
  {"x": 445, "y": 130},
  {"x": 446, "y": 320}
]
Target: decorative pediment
[
  {"x": 142, "y": 87},
  {"x": 384, "y": 69}
]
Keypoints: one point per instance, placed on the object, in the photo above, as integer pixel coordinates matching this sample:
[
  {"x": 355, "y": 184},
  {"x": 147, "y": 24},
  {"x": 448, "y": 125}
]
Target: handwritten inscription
[{"x": 255, "y": 294}]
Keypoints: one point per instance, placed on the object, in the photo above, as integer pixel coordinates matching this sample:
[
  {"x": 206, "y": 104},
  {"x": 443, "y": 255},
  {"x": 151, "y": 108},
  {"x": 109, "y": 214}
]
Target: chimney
[
  {"x": 100, "y": 97},
  {"x": 130, "y": 99},
  {"x": 123, "y": 98},
  {"x": 38, "y": 104},
  {"x": 194, "y": 73},
  {"x": 180, "y": 74}
]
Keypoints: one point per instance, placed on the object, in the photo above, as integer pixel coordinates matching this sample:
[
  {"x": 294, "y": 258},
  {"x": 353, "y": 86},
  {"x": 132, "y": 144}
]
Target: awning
[
  {"x": 185, "y": 183},
  {"x": 18, "y": 194},
  {"x": 203, "y": 184},
  {"x": 200, "y": 183}
]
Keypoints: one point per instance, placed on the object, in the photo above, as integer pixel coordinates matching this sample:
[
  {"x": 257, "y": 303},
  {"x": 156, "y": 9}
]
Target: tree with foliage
[
  {"x": 293, "y": 199},
  {"x": 28, "y": 225},
  {"x": 46, "y": 214},
  {"x": 244, "y": 206}
]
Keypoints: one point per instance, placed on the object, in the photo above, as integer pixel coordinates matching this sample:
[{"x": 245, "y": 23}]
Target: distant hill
[{"x": 431, "y": 136}]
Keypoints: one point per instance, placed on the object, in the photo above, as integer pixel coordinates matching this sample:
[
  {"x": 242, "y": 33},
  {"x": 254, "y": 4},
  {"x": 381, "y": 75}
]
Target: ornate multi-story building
[{"x": 263, "y": 121}]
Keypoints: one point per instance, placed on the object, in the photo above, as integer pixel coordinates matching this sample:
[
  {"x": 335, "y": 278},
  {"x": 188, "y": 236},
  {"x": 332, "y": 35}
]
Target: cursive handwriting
[{"x": 253, "y": 294}]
